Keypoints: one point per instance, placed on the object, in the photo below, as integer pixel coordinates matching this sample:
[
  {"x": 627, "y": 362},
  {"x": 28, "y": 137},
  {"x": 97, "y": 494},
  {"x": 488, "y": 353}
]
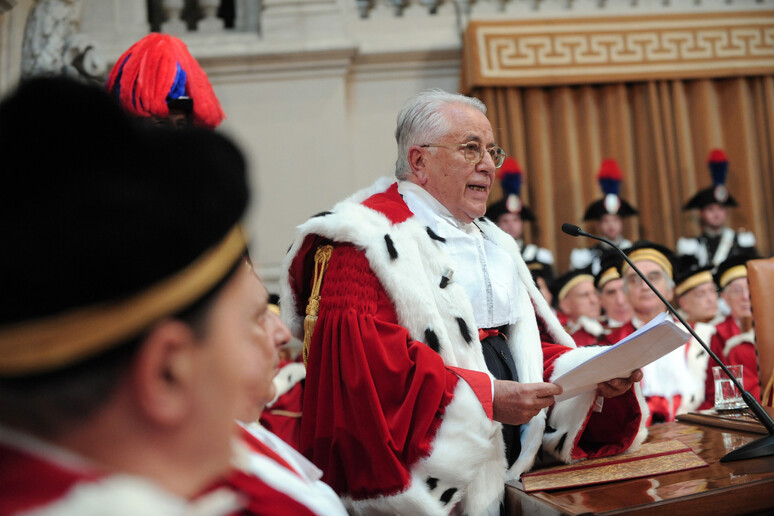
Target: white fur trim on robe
[
  {"x": 748, "y": 336},
  {"x": 126, "y": 495},
  {"x": 568, "y": 417},
  {"x": 466, "y": 440},
  {"x": 412, "y": 282}
]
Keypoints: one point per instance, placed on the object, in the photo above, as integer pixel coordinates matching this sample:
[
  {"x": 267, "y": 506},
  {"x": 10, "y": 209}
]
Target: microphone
[{"x": 759, "y": 448}]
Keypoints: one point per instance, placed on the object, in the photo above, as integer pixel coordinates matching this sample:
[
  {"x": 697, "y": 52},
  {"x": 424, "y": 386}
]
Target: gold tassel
[{"x": 321, "y": 258}]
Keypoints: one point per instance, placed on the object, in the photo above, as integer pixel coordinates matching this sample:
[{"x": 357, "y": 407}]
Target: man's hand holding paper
[
  {"x": 618, "y": 386},
  {"x": 622, "y": 360}
]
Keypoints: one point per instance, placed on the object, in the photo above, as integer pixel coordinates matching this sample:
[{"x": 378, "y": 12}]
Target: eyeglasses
[
  {"x": 474, "y": 152},
  {"x": 633, "y": 280}
]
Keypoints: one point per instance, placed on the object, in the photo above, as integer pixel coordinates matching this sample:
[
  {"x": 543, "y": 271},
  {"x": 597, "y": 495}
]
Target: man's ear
[
  {"x": 418, "y": 164},
  {"x": 162, "y": 376}
]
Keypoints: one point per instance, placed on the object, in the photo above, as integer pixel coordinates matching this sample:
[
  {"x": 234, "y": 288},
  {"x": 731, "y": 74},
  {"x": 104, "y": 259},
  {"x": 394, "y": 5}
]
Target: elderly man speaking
[{"x": 407, "y": 298}]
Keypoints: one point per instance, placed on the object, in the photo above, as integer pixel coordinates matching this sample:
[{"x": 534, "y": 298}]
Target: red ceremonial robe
[
  {"x": 282, "y": 416},
  {"x": 272, "y": 479},
  {"x": 734, "y": 348},
  {"x": 37, "y": 476},
  {"x": 398, "y": 402}
]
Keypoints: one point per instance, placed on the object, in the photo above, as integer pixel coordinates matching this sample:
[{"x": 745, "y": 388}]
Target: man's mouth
[{"x": 477, "y": 188}]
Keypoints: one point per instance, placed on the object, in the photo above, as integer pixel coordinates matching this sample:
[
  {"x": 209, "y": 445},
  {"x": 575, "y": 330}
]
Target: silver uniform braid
[{"x": 421, "y": 119}]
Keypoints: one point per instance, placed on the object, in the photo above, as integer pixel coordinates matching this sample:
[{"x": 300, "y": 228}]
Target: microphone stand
[{"x": 762, "y": 447}]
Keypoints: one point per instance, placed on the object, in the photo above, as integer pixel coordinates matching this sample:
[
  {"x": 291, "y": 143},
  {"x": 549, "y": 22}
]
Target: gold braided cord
[
  {"x": 48, "y": 343},
  {"x": 321, "y": 258}
]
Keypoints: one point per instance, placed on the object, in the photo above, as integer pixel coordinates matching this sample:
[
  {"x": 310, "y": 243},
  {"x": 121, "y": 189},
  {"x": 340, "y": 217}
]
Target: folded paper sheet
[
  {"x": 652, "y": 341},
  {"x": 651, "y": 459}
]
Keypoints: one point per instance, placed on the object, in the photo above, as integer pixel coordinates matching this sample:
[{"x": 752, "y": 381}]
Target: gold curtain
[
  {"x": 654, "y": 93},
  {"x": 660, "y": 132}
]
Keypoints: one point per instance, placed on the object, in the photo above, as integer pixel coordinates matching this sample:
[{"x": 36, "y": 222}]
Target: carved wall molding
[
  {"x": 53, "y": 44},
  {"x": 584, "y": 50},
  {"x": 7, "y": 5}
]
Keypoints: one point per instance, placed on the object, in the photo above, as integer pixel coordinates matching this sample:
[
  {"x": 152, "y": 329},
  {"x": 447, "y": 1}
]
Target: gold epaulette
[{"x": 321, "y": 258}]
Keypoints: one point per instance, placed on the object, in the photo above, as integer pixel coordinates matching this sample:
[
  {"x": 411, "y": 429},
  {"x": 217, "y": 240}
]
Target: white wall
[{"x": 312, "y": 101}]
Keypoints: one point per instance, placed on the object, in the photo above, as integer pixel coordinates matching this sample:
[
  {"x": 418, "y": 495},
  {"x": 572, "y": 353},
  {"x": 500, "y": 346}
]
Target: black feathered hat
[
  {"x": 717, "y": 193},
  {"x": 609, "y": 177},
  {"x": 510, "y": 176},
  {"x": 109, "y": 227}
]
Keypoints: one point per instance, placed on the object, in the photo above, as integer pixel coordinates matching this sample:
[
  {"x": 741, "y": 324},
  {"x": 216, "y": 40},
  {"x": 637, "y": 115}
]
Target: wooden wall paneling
[
  {"x": 743, "y": 170},
  {"x": 541, "y": 168},
  {"x": 589, "y": 137},
  {"x": 565, "y": 156},
  {"x": 659, "y": 184},
  {"x": 706, "y": 128},
  {"x": 764, "y": 113},
  {"x": 684, "y": 175},
  {"x": 643, "y": 176},
  {"x": 625, "y": 154},
  {"x": 668, "y": 164}
]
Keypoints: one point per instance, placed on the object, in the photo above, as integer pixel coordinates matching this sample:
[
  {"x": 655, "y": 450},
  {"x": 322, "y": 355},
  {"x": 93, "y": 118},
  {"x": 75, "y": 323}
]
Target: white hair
[{"x": 421, "y": 120}]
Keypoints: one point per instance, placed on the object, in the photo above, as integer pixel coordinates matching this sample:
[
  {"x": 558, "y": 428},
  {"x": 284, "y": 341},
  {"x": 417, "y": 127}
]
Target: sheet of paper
[{"x": 652, "y": 341}]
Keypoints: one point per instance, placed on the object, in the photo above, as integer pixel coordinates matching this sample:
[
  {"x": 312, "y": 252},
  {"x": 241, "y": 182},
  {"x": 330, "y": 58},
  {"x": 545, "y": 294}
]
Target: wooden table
[{"x": 741, "y": 487}]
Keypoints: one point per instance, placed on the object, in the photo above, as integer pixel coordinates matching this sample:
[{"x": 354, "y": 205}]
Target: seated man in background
[
  {"x": 543, "y": 275},
  {"x": 578, "y": 301},
  {"x": 282, "y": 415},
  {"x": 666, "y": 381},
  {"x": 734, "y": 337},
  {"x": 407, "y": 298},
  {"x": 272, "y": 478},
  {"x": 510, "y": 213},
  {"x": 697, "y": 298},
  {"x": 616, "y": 309}
]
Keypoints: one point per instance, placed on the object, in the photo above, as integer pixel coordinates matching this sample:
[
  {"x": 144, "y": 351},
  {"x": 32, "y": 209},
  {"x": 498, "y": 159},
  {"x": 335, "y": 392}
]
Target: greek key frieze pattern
[{"x": 565, "y": 52}]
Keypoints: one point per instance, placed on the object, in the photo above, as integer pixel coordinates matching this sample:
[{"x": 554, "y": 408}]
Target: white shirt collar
[{"x": 425, "y": 206}]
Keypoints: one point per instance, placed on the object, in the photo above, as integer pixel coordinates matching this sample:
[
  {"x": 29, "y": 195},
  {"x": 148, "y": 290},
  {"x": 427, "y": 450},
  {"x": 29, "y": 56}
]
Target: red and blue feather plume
[
  {"x": 609, "y": 177},
  {"x": 157, "y": 69},
  {"x": 718, "y": 165}
]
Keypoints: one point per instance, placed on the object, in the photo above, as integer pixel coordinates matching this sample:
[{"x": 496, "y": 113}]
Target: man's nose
[{"x": 280, "y": 332}]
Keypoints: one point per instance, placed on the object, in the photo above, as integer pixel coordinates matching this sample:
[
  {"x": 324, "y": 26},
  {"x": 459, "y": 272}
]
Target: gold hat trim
[
  {"x": 652, "y": 255},
  {"x": 48, "y": 343},
  {"x": 700, "y": 278},
  {"x": 609, "y": 275},
  {"x": 573, "y": 283},
  {"x": 735, "y": 272}
]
